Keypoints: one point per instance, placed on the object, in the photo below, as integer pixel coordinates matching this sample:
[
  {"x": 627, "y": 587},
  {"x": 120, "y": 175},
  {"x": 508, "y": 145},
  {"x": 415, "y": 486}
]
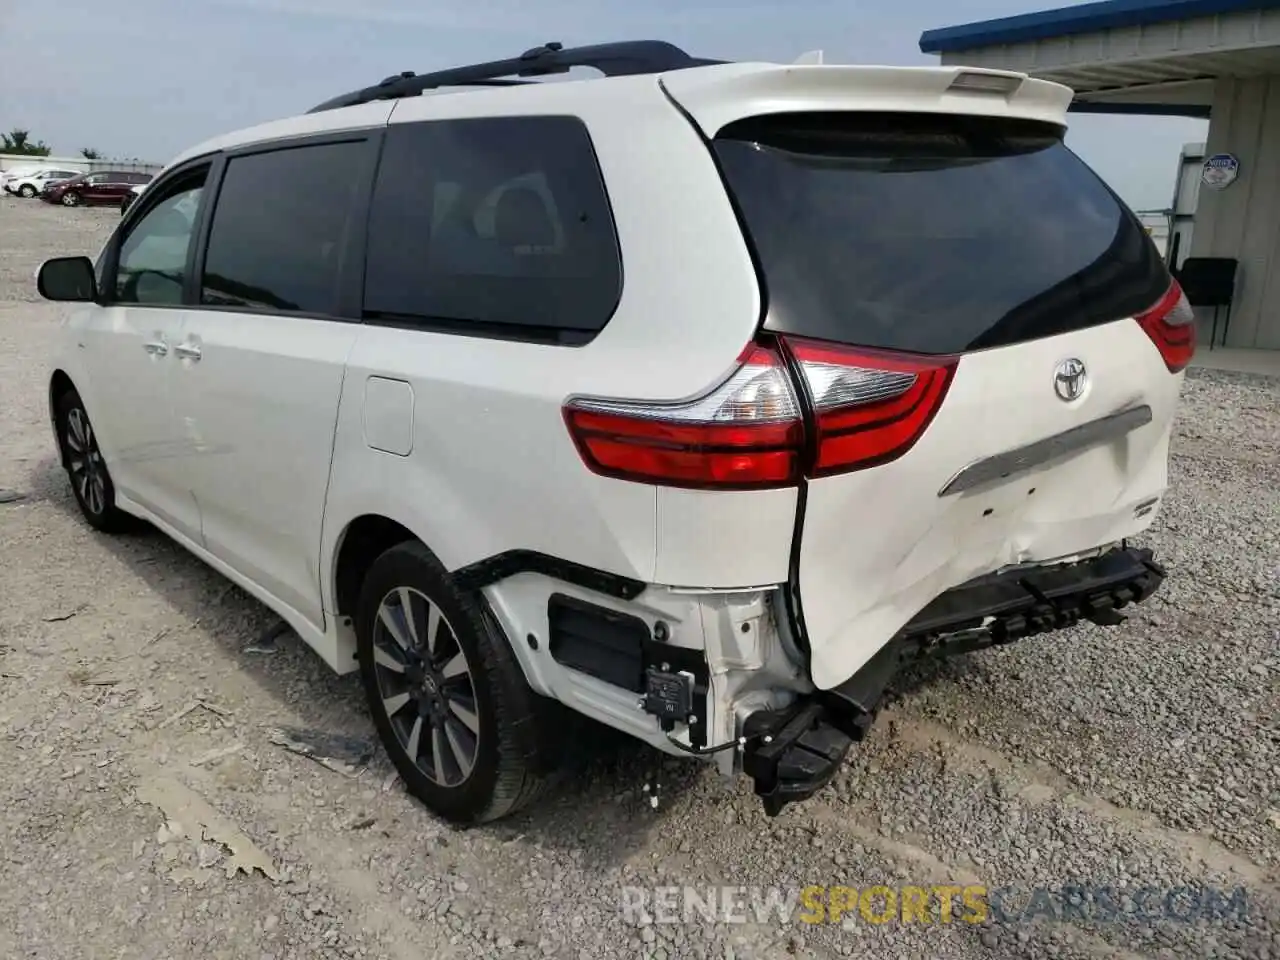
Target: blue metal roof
[{"x": 1085, "y": 18}]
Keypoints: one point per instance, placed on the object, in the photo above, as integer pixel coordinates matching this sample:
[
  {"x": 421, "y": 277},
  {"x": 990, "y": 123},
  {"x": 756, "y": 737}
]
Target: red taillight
[
  {"x": 744, "y": 434},
  {"x": 869, "y": 407},
  {"x": 1171, "y": 325}
]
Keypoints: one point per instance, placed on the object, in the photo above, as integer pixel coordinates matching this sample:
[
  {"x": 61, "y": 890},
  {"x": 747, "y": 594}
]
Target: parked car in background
[
  {"x": 12, "y": 174},
  {"x": 127, "y": 200},
  {"x": 107, "y": 186},
  {"x": 33, "y": 184}
]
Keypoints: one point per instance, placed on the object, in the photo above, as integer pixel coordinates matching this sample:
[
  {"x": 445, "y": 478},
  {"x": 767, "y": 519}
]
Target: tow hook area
[{"x": 793, "y": 753}]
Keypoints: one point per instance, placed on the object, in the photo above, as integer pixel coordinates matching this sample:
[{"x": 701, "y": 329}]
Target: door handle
[
  {"x": 188, "y": 351},
  {"x": 157, "y": 348}
]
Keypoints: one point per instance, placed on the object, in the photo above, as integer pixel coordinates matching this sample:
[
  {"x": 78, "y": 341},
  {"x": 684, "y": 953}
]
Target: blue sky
[{"x": 148, "y": 78}]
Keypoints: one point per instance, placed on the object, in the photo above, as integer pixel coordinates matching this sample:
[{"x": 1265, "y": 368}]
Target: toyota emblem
[{"x": 1069, "y": 380}]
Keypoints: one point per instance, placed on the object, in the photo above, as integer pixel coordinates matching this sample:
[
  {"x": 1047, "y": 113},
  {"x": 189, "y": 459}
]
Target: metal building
[{"x": 1218, "y": 59}]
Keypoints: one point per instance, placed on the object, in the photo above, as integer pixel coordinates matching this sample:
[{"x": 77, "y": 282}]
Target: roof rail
[{"x": 612, "y": 59}]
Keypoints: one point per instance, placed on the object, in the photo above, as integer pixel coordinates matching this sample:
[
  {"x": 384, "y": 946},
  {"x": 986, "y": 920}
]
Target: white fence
[{"x": 79, "y": 164}]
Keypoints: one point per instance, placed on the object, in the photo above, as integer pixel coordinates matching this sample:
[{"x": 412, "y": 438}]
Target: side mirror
[{"x": 67, "y": 279}]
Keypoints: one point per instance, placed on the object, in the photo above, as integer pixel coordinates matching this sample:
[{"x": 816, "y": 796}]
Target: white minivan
[{"x": 698, "y": 398}]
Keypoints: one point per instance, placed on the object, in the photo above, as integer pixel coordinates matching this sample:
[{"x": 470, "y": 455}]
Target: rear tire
[
  {"x": 86, "y": 467},
  {"x": 448, "y": 698},
  {"x": 27, "y": 190}
]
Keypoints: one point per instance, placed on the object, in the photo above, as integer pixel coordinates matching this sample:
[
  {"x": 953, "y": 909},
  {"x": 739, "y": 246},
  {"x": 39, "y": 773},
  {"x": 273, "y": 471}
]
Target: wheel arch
[
  {"x": 60, "y": 384},
  {"x": 362, "y": 540}
]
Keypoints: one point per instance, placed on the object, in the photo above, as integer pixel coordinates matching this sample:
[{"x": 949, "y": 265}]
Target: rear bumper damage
[{"x": 793, "y": 753}]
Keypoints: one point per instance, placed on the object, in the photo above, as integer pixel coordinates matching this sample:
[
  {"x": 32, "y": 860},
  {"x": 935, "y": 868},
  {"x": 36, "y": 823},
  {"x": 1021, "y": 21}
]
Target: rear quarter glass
[{"x": 932, "y": 234}]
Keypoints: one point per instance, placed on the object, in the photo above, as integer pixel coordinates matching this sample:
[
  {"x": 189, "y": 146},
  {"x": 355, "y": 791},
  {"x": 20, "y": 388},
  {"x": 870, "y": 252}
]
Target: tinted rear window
[
  {"x": 492, "y": 227},
  {"x": 932, "y": 234},
  {"x": 281, "y": 227}
]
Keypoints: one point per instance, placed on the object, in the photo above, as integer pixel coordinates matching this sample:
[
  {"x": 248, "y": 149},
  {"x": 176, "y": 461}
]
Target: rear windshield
[{"x": 932, "y": 234}]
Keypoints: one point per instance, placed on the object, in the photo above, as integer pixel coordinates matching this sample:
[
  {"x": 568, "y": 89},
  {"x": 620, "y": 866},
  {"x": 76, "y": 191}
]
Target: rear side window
[
  {"x": 281, "y": 226},
  {"x": 492, "y": 226},
  {"x": 932, "y": 234}
]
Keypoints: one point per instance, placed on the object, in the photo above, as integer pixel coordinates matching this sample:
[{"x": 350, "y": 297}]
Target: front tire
[
  {"x": 27, "y": 190},
  {"x": 448, "y": 698},
  {"x": 86, "y": 467},
  {"x": 71, "y": 199}
]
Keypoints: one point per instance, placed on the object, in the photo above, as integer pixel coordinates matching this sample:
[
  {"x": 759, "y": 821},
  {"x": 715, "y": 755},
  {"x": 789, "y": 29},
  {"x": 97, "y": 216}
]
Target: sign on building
[{"x": 1220, "y": 171}]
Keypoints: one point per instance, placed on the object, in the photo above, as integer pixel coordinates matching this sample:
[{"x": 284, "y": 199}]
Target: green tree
[
  {"x": 90, "y": 154},
  {"x": 18, "y": 141}
]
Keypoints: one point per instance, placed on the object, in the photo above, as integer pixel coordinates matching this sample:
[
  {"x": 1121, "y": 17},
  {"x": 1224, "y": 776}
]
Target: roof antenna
[{"x": 811, "y": 58}]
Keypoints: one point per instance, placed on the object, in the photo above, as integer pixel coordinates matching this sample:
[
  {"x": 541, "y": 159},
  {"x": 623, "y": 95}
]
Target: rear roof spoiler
[{"x": 718, "y": 95}]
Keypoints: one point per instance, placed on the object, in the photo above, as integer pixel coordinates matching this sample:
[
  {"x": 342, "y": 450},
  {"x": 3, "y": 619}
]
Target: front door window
[{"x": 153, "y": 258}]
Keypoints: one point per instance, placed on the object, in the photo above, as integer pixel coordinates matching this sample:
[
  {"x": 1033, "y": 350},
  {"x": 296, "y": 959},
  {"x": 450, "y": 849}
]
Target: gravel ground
[{"x": 1143, "y": 756}]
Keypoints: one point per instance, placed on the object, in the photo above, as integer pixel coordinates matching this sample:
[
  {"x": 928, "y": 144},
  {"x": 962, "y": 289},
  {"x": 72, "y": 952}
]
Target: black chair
[{"x": 1210, "y": 282}]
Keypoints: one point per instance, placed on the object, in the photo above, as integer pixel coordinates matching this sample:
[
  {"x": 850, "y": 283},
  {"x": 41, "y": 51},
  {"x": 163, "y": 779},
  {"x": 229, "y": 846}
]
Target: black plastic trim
[
  {"x": 491, "y": 570},
  {"x": 195, "y": 263},
  {"x": 794, "y": 752},
  {"x": 597, "y": 641},
  {"x": 266, "y": 312},
  {"x": 293, "y": 141},
  {"x": 513, "y": 332},
  {"x": 620, "y": 649},
  {"x": 1000, "y": 608},
  {"x": 627, "y": 58}
]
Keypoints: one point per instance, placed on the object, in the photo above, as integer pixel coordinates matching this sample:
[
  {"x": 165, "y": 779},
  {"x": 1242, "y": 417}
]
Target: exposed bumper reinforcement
[
  {"x": 792, "y": 754},
  {"x": 1000, "y": 608}
]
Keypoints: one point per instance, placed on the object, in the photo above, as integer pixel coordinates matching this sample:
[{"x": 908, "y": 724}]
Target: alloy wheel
[
  {"x": 84, "y": 459},
  {"x": 426, "y": 686}
]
